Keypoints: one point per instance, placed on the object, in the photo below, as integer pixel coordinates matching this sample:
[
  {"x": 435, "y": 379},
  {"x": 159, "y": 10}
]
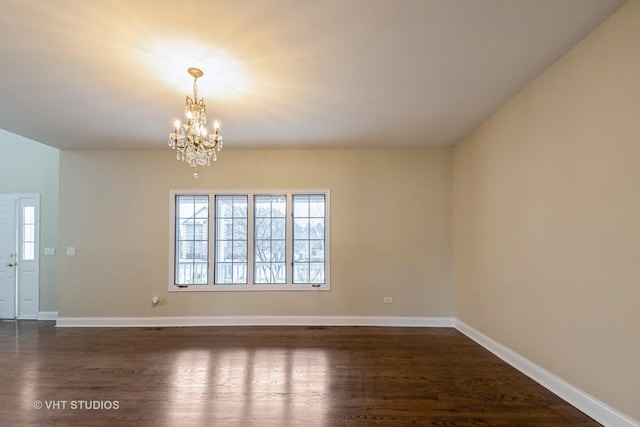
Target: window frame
[{"x": 250, "y": 285}]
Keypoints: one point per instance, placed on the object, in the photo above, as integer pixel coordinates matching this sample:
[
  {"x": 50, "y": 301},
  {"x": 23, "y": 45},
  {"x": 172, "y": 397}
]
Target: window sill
[{"x": 248, "y": 288}]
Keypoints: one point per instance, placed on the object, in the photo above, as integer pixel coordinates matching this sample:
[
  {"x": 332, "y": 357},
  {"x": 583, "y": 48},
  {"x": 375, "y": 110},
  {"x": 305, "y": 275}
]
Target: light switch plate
[
  {"x": 71, "y": 251},
  {"x": 49, "y": 251}
]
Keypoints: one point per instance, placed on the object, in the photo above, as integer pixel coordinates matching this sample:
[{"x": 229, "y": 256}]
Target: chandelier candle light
[{"x": 192, "y": 142}]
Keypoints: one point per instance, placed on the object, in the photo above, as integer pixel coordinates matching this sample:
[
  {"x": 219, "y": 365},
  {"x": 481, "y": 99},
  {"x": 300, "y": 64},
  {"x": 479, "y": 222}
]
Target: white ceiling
[{"x": 111, "y": 74}]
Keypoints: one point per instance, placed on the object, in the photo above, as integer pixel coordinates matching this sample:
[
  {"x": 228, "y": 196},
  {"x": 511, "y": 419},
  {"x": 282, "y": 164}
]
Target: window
[
  {"x": 191, "y": 237},
  {"x": 275, "y": 240},
  {"x": 28, "y": 233},
  {"x": 231, "y": 239},
  {"x": 308, "y": 238},
  {"x": 270, "y": 213}
]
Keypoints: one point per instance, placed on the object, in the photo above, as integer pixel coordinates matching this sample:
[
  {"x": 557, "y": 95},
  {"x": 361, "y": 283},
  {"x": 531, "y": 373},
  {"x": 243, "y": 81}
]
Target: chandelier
[{"x": 191, "y": 140}]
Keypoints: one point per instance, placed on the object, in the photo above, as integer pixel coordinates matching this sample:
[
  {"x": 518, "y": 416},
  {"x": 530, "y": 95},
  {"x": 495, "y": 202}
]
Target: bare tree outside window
[
  {"x": 270, "y": 239},
  {"x": 231, "y": 239}
]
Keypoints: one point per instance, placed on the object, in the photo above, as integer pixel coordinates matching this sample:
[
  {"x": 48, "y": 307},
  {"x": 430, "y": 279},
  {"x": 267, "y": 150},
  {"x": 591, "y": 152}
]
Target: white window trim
[{"x": 249, "y": 286}]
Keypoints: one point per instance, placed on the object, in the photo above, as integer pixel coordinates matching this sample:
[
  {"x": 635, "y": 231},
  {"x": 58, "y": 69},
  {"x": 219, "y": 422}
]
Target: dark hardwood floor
[{"x": 263, "y": 376}]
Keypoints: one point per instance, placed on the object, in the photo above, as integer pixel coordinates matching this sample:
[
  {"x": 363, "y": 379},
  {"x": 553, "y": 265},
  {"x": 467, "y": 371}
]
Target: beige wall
[
  {"x": 390, "y": 231},
  {"x": 547, "y": 218},
  {"x": 28, "y": 167}
]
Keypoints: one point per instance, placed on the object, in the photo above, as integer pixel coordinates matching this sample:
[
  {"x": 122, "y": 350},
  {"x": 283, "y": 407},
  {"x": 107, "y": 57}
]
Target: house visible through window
[
  {"x": 254, "y": 241},
  {"x": 308, "y": 238},
  {"x": 191, "y": 240}
]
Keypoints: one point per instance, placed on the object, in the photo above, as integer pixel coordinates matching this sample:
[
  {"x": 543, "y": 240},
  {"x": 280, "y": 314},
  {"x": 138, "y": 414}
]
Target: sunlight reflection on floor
[{"x": 274, "y": 385}]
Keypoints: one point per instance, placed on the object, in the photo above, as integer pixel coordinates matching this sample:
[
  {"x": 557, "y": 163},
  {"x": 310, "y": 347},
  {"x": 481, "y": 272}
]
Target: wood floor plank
[{"x": 264, "y": 376}]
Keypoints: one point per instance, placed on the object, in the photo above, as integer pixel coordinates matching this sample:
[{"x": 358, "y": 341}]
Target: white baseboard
[
  {"x": 47, "y": 315},
  {"x": 588, "y": 404},
  {"x": 254, "y": 321}
]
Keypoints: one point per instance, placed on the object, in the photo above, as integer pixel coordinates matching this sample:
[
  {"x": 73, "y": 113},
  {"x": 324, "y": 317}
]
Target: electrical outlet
[{"x": 388, "y": 300}]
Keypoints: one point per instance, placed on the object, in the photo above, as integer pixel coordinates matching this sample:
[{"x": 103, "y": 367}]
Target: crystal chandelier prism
[{"x": 191, "y": 140}]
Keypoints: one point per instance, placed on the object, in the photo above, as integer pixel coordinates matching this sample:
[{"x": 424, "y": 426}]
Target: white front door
[
  {"x": 8, "y": 254},
  {"x": 19, "y": 256}
]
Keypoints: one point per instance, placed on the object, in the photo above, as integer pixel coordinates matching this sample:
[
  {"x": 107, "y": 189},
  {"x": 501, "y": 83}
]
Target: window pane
[
  {"x": 301, "y": 273},
  {"x": 191, "y": 273},
  {"x": 280, "y": 272},
  {"x": 301, "y": 206},
  {"x": 224, "y": 272},
  {"x": 28, "y": 233},
  {"x": 240, "y": 251},
  {"x": 224, "y": 208},
  {"x": 201, "y": 206},
  {"x": 240, "y": 272},
  {"x": 270, "y": 234},
  {"x": 308, "y": 238},
  {"x": 224, "y": 251},
  {"x": 184, "y": 227},
  {"x": 201, "y": 251},
  {"x": 28, "y": 251},
  {"x": 278, "y": 228},
  {"x": 262, "y": 206},
  {"x": 183, "y": 272},
  {"x": 262, "y": 250},
  {"x": 279, "y": 207},
  {"x": 316, "y": 272},
  {"x": 263, "y": 228},
  {"x": 200, "y": 273},
  {"x": 185, "y": 207},
  {"x": 239, "y": 229},
  {"x": 316, "y": 228},
  {"x": 29, "y": 215},
  {"x": 300, "y": 228},
  {"x": 240, "y": 206},
  {"x": 231, "y": 239},
  {"x": 316, "y": 252},
  {"x": 316, "y": 206},
  {"x": 192, "y": 235},
  {"x": 278, "y": 248},
  {"x": 202, "y": 230},
  {"x": 186, "y": 250},
  {"x": 224, "y": 229},
  {"x": 300, "y": 250},
  {"x": 262, "y": 272}
]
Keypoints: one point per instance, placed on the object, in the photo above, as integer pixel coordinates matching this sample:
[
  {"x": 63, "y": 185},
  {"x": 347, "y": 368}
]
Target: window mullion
[
  {"x": 211, "y": 235},
  {"x": 250, "y": 236},
  {"x": 289, "y": 239}
]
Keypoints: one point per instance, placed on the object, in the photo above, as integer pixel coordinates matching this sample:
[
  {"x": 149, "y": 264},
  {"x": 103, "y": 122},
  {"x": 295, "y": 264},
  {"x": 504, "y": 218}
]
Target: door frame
[{"x": 18, "y": 218}]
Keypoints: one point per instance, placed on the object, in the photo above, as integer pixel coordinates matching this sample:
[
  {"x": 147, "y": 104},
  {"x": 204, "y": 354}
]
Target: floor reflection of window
[
  {"x": 228, "y": 393},
  {"x": 28, "y": 394},
  {"x": 269, "y": 384},
  {"x": 189, "y": 383}
]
